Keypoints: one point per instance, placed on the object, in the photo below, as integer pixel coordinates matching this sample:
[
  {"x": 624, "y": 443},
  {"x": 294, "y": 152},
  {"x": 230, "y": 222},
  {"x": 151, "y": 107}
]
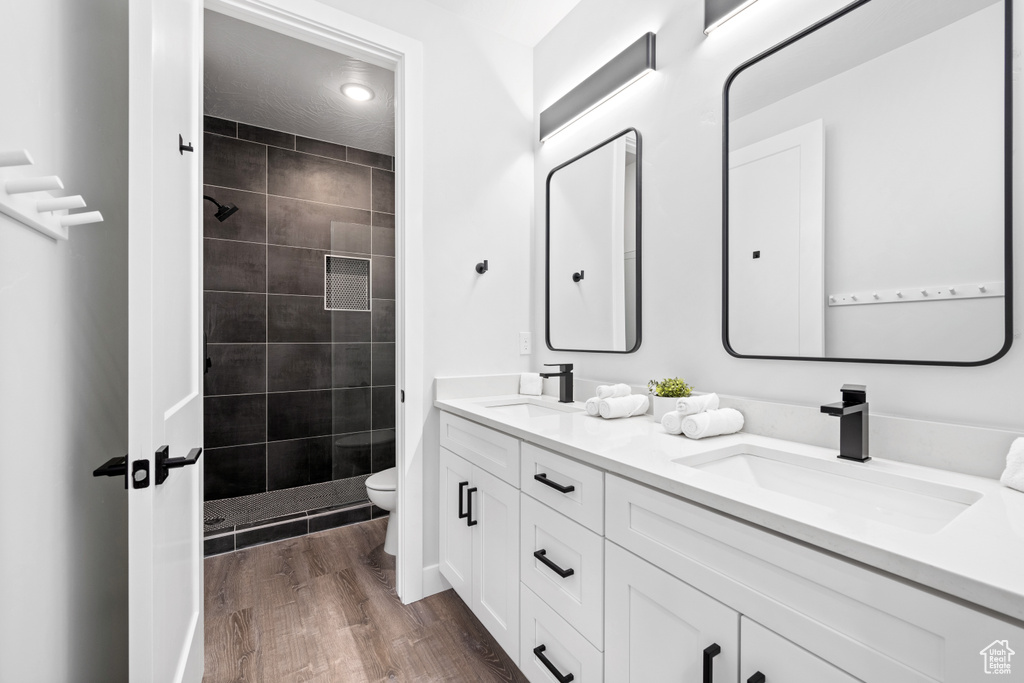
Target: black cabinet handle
[
  {"x": 710, "y": 652},
  {"x": 165, "y": 463},
  {"x": 543, "y": 478},
  {"x": 757, "y": 678},
  {"x": 469, "y": 507},
  {"x": 462, "y": 487},
  {"x": 542, "y": 556},
  {"x": 539, "y": 651}
]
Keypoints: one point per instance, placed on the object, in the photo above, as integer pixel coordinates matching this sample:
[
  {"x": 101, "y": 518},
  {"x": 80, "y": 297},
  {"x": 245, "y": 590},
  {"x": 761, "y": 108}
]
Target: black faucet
[
  {"x": 564, "y": 376},
  {"x": 852, "y": 412}
]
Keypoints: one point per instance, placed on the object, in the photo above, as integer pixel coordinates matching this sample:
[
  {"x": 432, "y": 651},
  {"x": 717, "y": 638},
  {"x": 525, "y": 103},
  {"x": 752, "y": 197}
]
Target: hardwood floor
[{"x": 323, "y": 608}]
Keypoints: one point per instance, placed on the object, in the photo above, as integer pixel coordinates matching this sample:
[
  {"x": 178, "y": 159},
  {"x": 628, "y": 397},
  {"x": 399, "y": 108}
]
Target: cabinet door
[
  {"x": 777, "y": 659},
  {"x": 495, "y": 602},
  {"x": 657, "y": 627},
  {"x": 456, "y": 561}
]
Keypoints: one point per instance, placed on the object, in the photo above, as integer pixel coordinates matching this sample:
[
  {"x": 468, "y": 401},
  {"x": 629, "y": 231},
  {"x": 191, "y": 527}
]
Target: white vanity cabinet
[
  {"x": 479, "y": 527},
  {"x": 658, "y": 628},
  {"x": 776, "y": 659}
]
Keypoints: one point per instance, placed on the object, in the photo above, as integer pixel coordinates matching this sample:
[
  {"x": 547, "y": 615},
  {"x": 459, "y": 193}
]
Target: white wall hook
[
  {"x": 19, "y": 157},
  {"x": 81, "y": 218},
  {"x": 39, "y": 184},
  {"x": 952, "y": 290},
  {"x": 982, "y": 288},
  {"x": 21, "y": 198},
  {"x": 924, "y": 292},
  {"x": 874, "y": 295},
  {"x": 60, "y": 204},
  {"x": 899, "y": 294}
]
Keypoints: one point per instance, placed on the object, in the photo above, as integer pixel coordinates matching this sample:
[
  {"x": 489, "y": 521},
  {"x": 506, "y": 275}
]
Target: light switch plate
[{"x": 525, "y": 345}]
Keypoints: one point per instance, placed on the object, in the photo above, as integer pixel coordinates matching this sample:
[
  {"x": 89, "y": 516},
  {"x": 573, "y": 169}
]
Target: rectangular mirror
[
  {"x": 868, "y": 193},
  {"x": 593, "y": 249}
]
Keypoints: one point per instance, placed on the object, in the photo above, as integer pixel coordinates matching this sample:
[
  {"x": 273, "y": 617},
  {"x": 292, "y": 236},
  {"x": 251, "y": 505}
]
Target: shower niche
[{"x": 299, "y": 309}]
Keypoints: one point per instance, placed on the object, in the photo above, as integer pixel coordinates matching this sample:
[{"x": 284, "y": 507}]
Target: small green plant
[{"x": 670, "y": 388}]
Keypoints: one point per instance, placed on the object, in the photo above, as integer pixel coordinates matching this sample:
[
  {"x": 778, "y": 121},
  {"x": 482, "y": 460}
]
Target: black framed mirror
[
  {"x": 867, "y": 188},
  {"x": 593, "y": 255}
]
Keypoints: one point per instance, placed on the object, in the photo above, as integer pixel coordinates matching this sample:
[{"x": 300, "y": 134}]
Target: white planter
[{"x": 663, "y": 405}]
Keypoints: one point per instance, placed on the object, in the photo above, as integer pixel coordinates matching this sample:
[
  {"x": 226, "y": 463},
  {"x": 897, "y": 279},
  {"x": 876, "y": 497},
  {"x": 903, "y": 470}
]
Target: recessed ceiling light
[{"x": 355, "y": 91}]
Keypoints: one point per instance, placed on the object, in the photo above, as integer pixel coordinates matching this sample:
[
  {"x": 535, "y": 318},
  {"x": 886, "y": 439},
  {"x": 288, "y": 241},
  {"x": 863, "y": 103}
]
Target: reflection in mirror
[
  {"x": 593, "y": 249},
  {"x": 867, "y": 188}
]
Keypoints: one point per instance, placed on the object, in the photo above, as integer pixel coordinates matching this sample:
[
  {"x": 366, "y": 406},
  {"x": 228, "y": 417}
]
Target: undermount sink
[
  {"x": 532, "y": 407},
  {"x": 850, "y": 488}
]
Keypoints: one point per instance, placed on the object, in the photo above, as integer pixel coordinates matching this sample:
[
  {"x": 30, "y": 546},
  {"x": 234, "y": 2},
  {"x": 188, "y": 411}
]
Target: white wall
[
  {"x": 63, "y": 350},
  {"x": 478, "y": 203},
  {"x": 901, "y": 211},
  {"x": 678, "y": 111}
]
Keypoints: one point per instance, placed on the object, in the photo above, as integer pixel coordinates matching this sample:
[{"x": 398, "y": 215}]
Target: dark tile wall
[{"x": 296, "y": 394}]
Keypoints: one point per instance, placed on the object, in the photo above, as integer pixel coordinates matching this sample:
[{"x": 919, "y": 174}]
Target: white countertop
[{"x": 978, "y": 556}]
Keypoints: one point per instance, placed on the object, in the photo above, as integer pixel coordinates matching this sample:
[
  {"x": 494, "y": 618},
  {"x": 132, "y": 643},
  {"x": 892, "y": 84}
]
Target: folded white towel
[
  {"x": 691, "y": 405},
  {"x": 613, "y": 390},
  {"x": 623, "y": 406},
  {"x": 531, "y": 384},
  {"x": 592, "y": 406},
  {"x": 712, "y": 423},
  {"x": 672, "y": 421},
  {"x": 1013, "y": 475}
]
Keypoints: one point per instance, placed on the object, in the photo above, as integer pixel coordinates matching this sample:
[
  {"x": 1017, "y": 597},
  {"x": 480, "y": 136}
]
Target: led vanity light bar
[
  {"x": 717, "y": 12},
  {"x": 629, "y": 66}
]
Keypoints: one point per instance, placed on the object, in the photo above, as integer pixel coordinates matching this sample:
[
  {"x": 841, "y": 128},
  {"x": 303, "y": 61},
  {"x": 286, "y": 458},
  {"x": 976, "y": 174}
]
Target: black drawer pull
[
  {"x": 710, "y": 652},
  {"x": 469, "y": 507},
  {"x": 539, "y": 651},
  {"x": 757, "y": 678},
  {"x": 462, "y": 488},
  {"x": 543, "y": 478},
  {"x": 542, "y": 556}
]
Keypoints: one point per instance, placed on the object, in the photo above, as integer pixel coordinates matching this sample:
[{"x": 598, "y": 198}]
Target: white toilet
[{"x": 380, "y": 489}]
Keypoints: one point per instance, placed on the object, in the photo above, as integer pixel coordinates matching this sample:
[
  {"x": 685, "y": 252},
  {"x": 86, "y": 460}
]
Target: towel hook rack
[{"x": 24, "y": 196}]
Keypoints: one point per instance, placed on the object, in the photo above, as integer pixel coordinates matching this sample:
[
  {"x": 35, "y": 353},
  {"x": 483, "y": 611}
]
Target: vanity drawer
[
  {"x": 584, "y": 503},
  {"x": 862, "y": 621},
  {"x": 564, "y": 648},
  {"x": 486, "y": 448},
  {"x": 568, "y": 547}
]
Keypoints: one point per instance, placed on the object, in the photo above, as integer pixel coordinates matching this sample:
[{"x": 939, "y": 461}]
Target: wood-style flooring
[{"x": 323, "y": 608}]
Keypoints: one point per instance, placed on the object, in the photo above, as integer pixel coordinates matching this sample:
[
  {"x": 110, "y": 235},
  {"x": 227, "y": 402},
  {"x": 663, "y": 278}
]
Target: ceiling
[
  {"x": 267, "y": 79},
  {"x": 524, "y": 21}
]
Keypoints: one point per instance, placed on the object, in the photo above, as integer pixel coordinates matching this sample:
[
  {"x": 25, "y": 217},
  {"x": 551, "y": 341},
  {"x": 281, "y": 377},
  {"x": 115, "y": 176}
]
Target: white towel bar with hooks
[{"x": 25, "y": 197}]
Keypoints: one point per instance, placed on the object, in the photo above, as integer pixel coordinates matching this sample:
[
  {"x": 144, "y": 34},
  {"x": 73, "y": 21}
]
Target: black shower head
[{"x": 224, "y": 211}]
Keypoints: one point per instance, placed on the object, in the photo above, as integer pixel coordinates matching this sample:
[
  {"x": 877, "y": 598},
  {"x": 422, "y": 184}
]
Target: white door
[
  {"x": 776, "y": 245},
  {"x": 456, "y": 532},
  {"x": 657, "y": 628},
  {"x": 495, "y": 505},
  {"x": 165, "y": 333},
  {"x": 777, "y": 659}
]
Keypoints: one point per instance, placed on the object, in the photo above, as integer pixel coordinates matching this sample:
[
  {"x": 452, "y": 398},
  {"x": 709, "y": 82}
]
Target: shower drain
[{"x": 210, "y": 521}]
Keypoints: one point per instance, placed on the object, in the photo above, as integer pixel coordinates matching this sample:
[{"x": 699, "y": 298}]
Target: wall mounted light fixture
[
  {"x": 629, "y": 66},
  {"x": 717, "y": 12}
]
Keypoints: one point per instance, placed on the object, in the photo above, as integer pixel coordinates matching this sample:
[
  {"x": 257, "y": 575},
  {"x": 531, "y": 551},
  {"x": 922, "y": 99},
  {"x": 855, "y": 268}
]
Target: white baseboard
[{"x": 433, "y": 582}]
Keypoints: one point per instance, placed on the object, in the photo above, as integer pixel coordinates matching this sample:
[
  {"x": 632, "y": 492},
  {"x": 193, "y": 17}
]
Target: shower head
[{"x": 224, "y": 211}]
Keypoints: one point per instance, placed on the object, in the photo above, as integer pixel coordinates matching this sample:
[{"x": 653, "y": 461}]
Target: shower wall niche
[{"x": 300, "y": 400}]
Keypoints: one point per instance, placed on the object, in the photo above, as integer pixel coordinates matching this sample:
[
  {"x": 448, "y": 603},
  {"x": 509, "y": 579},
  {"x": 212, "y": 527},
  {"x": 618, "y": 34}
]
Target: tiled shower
[{"x": 300, "y": 400}]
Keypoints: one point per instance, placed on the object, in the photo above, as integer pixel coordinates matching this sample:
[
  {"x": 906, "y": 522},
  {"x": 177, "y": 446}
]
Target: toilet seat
[{"x": 385, "y": 480}]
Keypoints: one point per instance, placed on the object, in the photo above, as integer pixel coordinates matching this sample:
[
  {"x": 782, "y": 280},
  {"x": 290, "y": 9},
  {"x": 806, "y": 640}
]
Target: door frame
[{"x": 316, "y": 23}]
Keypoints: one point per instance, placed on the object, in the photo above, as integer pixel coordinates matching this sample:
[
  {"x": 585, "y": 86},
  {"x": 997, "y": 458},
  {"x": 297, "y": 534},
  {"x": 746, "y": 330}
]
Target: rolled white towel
[
  {"x": 592, "y": 406},
  {"x": 672, "y": 421},
  {"x": 691, "y": 405},
  {"x": 531, "y": 384},
  {"x": 623, "y": 406},
  {"x": 613, "y": 390},
  {"x": 712, "y": 423},
  {"x": 1013, "y": 475}
]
